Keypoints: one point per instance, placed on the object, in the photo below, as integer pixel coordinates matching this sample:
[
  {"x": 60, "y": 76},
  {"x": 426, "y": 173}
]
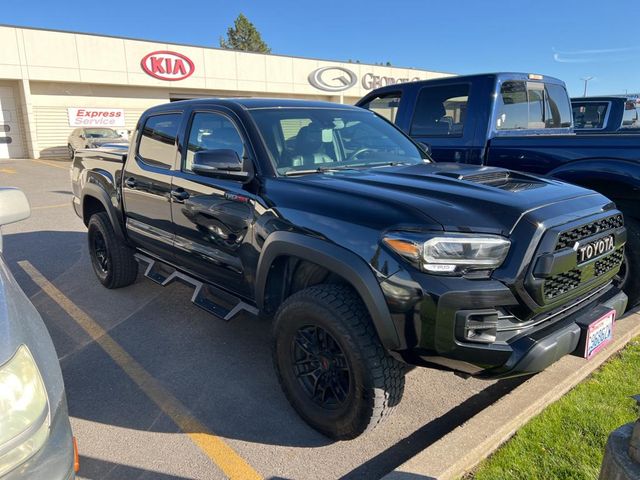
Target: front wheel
[
  {"x": 72, "y": 152},
  {"x": 330, "y": 363},
  {"x": 112, "y": 260},
  {"x": 629, "y": 276}
]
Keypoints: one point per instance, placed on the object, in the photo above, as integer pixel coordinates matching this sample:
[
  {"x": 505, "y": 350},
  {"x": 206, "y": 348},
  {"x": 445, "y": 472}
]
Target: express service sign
[
  {"x": 95, "y": 117},
  {"x": 167, "y": 65}
]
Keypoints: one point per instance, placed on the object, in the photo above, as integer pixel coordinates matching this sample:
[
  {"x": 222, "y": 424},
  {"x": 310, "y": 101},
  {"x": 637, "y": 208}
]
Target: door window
[
  {"x": 158, "y": 140},
  {"x": 212, "y": 131},
  {"x": 385, "y": 106},
  {"x": 441, "y": 111}
]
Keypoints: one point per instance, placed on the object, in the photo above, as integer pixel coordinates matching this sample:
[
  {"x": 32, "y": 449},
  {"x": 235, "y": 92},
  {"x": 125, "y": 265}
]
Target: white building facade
[{"x": 52, "y": 82}]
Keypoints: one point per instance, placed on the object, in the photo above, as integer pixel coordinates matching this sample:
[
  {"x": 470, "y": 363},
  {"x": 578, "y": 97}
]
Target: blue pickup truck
[
  {"x": 613, "y": 114},
  {"x": 522, "y": 122}
]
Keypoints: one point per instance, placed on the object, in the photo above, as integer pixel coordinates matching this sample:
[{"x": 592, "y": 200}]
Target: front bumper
[
  {"x": 432, "y": 319},
  {"x": 55, "y": 460}
]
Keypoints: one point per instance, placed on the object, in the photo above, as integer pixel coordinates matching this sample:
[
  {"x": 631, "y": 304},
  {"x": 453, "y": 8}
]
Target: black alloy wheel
[{"x": 321, "y": 367}]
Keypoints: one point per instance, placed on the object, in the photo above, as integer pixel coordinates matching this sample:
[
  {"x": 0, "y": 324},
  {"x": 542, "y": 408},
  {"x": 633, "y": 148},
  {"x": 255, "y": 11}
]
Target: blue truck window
[
  {"x": 441, "y": 111},
  {"x": 590, "y": 115},
  {"x": 385, "y": 106}
]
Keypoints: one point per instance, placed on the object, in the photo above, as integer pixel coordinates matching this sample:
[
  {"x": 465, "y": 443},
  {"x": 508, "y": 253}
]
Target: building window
[{"x": 158, "y": 141}]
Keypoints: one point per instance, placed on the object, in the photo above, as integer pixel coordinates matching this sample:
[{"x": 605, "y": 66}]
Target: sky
[{"x": 567, "y": 39}]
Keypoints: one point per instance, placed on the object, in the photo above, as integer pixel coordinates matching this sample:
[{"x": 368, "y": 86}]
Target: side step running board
[{"x": 204, "y": 296}]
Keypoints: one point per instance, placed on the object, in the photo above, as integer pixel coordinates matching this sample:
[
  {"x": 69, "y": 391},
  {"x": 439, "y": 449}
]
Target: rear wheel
[
  {"x": 629, "y": 276},
  {"x": 72, "y": 152},
  {"x": 112, "y": 260},
  {"x": 330, "y": 363}
]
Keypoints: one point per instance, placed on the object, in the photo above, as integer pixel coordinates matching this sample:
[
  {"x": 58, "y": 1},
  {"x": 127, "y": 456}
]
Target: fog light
[{"x": 477, "y": 326}]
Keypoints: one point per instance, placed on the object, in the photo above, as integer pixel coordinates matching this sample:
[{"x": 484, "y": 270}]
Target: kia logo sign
[
  {"x": 166, "y": 65},
  {"x": 333, "y": 79}
]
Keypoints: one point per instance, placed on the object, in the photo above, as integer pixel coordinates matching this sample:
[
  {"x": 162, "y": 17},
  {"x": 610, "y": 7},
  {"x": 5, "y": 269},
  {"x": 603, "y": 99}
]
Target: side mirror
[
  {"x": 82, "y": 136},
  {"x": 220, "y": 163},
  {"x": 14, "y": 206}
]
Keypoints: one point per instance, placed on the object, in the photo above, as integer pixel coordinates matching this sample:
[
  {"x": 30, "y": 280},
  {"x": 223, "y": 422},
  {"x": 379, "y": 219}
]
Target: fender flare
[
  {"x": 94, "y": 191},
  {"x": 337, "y": 260}
]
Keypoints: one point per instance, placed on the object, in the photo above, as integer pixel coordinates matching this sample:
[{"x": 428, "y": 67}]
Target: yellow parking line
[
  {"x": 59, "y": 205},
  {"x": 214, "y": 447},
  {"x": 7, "y": 170},
  {"x": 66, "y": 167}
]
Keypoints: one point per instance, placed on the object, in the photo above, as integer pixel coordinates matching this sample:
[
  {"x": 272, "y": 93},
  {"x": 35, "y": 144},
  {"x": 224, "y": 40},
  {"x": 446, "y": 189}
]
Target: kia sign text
[
  {"x": 338, "y": 79},
  {"x": 166, "y": 65},
  {"x": 96, "y": 117}
]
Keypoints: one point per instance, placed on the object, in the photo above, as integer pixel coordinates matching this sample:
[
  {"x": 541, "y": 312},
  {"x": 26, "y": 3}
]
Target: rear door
[
  {"x": 213, "y": 217},
  {"x": 146, "y": 184}
]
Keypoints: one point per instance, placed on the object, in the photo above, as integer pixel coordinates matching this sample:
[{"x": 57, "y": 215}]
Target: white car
[{"x": 35, "y": 433}]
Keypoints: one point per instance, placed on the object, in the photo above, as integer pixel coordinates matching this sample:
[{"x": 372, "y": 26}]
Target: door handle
[
  {"x": 131, "y": 182},
  {"x": 180, "y": 194}
]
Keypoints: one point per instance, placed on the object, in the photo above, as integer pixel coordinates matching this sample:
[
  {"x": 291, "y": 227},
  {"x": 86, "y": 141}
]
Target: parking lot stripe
[
  {"x": 64, "y": 167},
  {"x": 233, "y": 466},
  {"x": 59, "y": 205}
]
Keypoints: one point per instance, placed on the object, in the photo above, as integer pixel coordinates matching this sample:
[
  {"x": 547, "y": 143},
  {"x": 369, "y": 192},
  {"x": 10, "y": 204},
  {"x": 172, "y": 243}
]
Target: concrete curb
[{"x": 462, "y": 449}]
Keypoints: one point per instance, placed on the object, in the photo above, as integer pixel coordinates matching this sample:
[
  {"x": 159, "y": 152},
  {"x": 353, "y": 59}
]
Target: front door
[
  {"x": 213, "y": 217},
  {"x": 146, "y": 185},
  {"x": 10, "y": 132}
]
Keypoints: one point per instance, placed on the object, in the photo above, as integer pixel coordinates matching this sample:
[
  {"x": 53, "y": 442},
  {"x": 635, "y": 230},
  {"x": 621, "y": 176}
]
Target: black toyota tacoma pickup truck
[
  {"x": 365, "y": 255},
  {"x": 606, "y": 115},
  {"x": 521, "y": 122}
]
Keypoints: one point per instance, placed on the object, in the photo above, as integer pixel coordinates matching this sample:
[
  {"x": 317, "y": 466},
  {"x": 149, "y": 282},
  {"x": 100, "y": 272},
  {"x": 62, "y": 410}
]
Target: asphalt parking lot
[{"x": 158, "y": 388}]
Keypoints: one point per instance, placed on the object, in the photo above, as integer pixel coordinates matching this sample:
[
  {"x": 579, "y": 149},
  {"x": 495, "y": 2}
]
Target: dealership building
[{"x": 52, "y": 82}]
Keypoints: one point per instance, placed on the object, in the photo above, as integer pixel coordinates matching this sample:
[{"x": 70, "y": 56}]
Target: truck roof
[
  {"x": 252, "y": 103},
  {"x": 472, "y": 78}
]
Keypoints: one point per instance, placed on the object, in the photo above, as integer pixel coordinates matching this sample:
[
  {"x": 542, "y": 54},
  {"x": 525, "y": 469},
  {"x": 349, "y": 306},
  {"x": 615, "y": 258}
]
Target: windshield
[
  {"x": 100, "y": 133},
  {"x": 315, "y": 139}
]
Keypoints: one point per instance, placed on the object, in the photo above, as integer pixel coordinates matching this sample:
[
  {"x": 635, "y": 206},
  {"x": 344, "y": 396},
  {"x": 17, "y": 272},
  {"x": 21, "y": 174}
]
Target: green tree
[{"x": 244, "y": 36}]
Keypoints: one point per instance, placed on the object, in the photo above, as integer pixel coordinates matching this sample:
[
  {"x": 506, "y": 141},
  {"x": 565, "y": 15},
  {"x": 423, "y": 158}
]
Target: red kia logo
[{"x": 167, "y": 65}]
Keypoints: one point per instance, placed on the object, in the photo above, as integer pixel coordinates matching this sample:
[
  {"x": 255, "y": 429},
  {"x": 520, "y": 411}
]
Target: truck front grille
[
  {"x": 608, "y": 263},
  {"x": 557, "y": 274},
  {"x": 562, "y": 283},
  {"x": 570, "y": 237}
]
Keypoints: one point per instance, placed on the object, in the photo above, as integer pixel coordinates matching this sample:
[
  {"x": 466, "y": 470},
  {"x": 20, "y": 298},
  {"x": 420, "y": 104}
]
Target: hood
[{"x": 449, "y": 196}]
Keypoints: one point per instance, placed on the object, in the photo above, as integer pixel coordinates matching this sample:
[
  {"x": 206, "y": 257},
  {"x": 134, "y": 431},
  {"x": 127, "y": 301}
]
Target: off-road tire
[
  {"x": 631, "y": 283},
  {"x": 376, "y": 380},
  {"x": 121, "y": 268}
]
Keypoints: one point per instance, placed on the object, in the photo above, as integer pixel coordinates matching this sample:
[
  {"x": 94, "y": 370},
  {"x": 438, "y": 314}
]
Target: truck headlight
[
  {"x": 450, "y": 253},
  {"x": 24, "y": 410}
]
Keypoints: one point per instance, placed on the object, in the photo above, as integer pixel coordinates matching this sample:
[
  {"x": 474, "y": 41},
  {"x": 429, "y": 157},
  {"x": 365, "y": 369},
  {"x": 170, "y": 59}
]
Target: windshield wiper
[{"x": 293, "y": 173}]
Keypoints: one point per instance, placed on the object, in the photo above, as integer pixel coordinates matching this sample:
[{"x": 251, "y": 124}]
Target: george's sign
[
  {"x": 338, "y": 79},
  {"x": 95, "y": 117},
  {"x": 166, "y": 65}
]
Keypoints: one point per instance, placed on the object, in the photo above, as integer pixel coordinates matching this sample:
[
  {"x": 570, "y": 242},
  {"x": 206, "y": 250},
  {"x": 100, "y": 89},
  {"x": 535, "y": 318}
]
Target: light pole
[{"x": 586, "y": 81}]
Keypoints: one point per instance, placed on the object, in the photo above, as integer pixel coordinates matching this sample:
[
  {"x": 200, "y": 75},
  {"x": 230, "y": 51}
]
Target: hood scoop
[{"x": 498, "y": 178}]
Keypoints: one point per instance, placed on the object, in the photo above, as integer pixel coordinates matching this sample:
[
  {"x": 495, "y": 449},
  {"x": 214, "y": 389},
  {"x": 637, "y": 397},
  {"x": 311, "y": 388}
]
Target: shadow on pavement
[
  {"x": 222, "y": 371},
  {"x": 93, "y": 468}
]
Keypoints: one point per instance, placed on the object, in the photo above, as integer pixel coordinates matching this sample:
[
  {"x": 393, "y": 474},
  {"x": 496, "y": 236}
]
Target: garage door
[{"x": 10, "y": 131}]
